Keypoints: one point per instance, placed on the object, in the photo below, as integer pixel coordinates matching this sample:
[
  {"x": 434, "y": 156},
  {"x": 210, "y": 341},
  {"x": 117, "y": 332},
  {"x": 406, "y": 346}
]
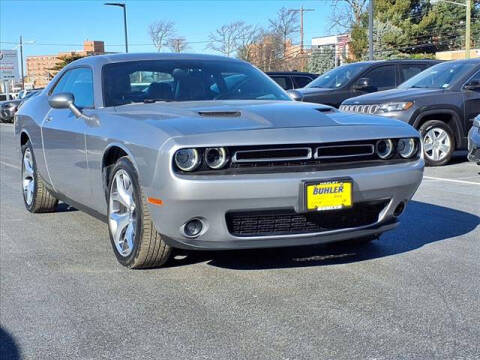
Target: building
[
  {"x": 39, "y": 67},
  {"x": 336, "y": 45},
  {"x": 456, "y": 54}
]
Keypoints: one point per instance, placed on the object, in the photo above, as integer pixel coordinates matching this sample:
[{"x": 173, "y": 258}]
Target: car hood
[
  {"x": 381, "y": 97},
  {"x": 189, "y": 118}
]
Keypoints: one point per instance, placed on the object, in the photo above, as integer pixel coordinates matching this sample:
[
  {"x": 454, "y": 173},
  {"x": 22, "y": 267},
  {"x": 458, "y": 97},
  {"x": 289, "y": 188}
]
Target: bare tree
[
  {"x": 226, "y": 38},
  {"x": 160, "y": 32},
  {"x": 177, "y": 45},
  {"x": 247, "y": 37},
  {"x": 347, "y": 12},
  {"x": 284, "y": 25}
]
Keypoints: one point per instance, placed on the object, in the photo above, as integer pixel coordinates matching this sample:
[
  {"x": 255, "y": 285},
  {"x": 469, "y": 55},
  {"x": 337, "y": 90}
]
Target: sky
[{"x": 49, "y": 27}]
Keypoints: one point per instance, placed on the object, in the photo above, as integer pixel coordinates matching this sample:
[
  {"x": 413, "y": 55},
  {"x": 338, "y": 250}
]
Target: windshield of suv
[
  {"x": 186, "y": 80},
  {"x": 337, "y": 77},
  {"x": 440, "y": 76}
]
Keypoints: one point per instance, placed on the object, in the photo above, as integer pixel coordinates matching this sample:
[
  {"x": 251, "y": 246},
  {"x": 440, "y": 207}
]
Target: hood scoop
[
  {"x": 219, "y": 113},
  {"x": 325, "y": 109}
]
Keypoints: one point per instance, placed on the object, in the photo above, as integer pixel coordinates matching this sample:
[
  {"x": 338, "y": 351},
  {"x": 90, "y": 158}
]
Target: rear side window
[
  {"x": 301, "y": 81},
  {"x": 383, "y": 77},
  {"x": 79, "y": 82},
  {"x": 409, "y": 70},
  {"x": 283, "y": 81}
]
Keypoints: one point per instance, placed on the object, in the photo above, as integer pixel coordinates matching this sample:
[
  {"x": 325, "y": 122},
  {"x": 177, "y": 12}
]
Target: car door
[
  {"x": 471, "y": 100},
  {"x": 64, "y": 137}
]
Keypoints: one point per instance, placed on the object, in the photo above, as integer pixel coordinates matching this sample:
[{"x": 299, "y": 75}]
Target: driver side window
[{"x": 79, "y": 82}]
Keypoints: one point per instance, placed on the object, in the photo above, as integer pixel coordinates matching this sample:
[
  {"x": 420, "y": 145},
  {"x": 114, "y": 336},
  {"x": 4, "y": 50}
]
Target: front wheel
[
  {"x": 134, "y": 239},
  {"x": 438, "y": 142}
]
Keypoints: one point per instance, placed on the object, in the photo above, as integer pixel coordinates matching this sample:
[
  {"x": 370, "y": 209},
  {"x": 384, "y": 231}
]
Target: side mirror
[
  {"x": 64, "y": 101},
  {"x": 295, "y": 95},
  {"x": 362, "y": 84},
  {"x": 476, "y": 121},
  {"x": 472, "y": 85}
]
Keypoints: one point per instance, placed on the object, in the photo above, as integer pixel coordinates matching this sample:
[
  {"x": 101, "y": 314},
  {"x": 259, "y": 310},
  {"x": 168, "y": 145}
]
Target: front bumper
[
  {"x": 211, "y": 198},
  {"x": 474, "y": 144}
]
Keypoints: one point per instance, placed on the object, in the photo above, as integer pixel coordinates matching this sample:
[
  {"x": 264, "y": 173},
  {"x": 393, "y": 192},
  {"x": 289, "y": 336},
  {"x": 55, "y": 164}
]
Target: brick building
[{"x": 39, "y": 67}]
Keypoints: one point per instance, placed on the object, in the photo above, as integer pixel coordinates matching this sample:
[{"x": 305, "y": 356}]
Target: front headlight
[
  {"x": 216, "y": 158},
  {"x": 395, "y": 106},
  {"x": 384, "y": 148},
  {"x": 407, "y": 147},
  {"x": 187, "y": 159}
]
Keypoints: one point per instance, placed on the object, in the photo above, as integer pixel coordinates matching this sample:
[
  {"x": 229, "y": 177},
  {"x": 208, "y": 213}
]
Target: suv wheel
[{"x": 438, "y": 142}]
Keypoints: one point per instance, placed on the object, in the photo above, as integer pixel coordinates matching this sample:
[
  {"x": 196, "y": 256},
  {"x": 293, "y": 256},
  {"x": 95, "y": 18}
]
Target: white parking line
[
  {"x": 10, "y": 165},
  {"x": 451, "y": 180}
]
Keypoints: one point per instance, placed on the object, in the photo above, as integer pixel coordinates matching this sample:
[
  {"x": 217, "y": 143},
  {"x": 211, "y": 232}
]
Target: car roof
[
  {"x": 289, "y": 73},
  {"x": 116, "y": 58}
]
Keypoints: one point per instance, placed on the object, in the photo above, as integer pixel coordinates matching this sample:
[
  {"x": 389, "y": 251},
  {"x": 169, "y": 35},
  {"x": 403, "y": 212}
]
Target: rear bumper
[
  {"x": 474, "y": 145},
  {"x": 210, "y": 199}
]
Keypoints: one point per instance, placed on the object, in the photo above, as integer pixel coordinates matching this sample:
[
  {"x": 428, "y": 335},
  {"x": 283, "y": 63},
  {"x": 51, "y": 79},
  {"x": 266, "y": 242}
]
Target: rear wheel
[
  {"x": 134, "y": 239},
  {"x": 438, "y": 142},
  {"x": 36, "y": 196}
]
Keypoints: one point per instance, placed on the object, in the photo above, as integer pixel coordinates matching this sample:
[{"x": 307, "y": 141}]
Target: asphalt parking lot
[{"x": 414, "y": 294}]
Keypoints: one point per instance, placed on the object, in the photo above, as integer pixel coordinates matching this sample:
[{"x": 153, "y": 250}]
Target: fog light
[{"x": 193, "y": 228}]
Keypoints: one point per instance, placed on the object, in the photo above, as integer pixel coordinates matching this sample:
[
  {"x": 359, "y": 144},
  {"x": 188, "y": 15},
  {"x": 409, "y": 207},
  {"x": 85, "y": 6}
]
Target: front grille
[
  {"x": 288, "y": 222},
  {"x": 272, "y": 155},
  {"x": 365, "y": 109}
]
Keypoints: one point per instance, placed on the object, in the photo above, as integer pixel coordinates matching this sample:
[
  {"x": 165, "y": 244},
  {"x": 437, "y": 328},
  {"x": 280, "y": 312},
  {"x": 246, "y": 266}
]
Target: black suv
[
  {"x": 292, "y": 79},
  {"x": 359, "y": 78},
  {"x": 441, "y": 102}
]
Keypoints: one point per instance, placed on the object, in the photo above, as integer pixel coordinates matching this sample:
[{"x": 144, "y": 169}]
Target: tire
[
  {"x": 135, "y": 241},
  {"x": 438, "y": 142},
  {"x": 36, "y": 197}
]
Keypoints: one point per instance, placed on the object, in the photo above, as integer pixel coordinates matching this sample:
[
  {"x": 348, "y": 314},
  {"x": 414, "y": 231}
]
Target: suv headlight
[
  {"x": 187, "y": 159},
  {"x": 395, "y": 106}
]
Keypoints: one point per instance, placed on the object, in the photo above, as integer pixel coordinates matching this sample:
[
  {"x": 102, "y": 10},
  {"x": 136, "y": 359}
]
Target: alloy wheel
[
  {"x": 436, "y": 144},
  {"x": 28, "y": 177},
  {"x": 122, "y": 217}
]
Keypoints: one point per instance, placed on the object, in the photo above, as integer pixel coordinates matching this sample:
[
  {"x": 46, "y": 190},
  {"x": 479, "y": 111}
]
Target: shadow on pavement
[
  {"x": 8, "y": 347},
  {"x": 421, "y": 224}
]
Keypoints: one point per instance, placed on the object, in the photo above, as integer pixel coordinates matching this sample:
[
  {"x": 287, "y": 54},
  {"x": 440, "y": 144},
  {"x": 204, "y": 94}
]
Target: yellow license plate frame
[{"x": 329, "y": 195}]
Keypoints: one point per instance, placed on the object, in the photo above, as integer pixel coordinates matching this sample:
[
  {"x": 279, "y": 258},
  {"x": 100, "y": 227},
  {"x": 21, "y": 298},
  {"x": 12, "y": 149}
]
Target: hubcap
[
  {"x": 28, "y": 178},
  {"x": 122, "y": 217},
  {"x": 436, "y": 144}
]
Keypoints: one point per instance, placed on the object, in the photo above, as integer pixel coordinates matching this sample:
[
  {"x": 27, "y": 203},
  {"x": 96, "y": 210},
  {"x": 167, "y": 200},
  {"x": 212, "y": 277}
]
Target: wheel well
[
  {"x": 23, "y": 139},
  {"x": 447, "y": 118},
  {"x": 109, "y": 159}
]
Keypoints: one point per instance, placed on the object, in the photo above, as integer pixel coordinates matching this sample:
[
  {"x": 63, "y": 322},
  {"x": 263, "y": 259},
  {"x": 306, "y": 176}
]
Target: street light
[
  {"x": 468, "y": 6},
  {"x": 124, "y": 6}
]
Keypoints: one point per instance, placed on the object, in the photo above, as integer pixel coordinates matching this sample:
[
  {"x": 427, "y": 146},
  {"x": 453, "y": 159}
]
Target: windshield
[
  {"x": 440, "y": 76},
  {"x": 337, "y": 77},
  {"x": 186, "y": 80}
]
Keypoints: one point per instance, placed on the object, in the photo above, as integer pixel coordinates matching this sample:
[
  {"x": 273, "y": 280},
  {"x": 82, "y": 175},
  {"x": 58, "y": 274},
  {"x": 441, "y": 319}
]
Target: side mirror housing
[
  {"x": 472, "y": 85},
  {"x": 363, "y": 84},
  {"x": 295, "y": 95},
  {"x": 476, "y": 121},
  {"x": 64, "y": 101}
]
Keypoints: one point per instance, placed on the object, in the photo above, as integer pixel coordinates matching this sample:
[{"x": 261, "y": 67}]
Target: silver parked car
[
  {"x": 207, "y": 152},
  {"x": 474, "y": 141}
]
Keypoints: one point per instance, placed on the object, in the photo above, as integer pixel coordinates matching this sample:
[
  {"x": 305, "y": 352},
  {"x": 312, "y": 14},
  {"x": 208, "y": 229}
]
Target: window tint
[
  {"x": 409, "y": 70},
  {"x": 185, "y": 80},
  {"x": 382, "y": 78},
  {"x": 79, "y": 82},
  {"x": 301, "y": 81},
  {"x": 283, "y": 81},
  {"x": 440, "y": 76}
]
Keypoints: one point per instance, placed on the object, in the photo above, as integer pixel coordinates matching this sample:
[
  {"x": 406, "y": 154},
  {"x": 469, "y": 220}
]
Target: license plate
[{"x": 328, "y": 195}]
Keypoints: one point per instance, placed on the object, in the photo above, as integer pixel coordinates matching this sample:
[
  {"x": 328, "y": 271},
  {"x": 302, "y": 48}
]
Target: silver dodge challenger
[{"x": 207, "y": 152}]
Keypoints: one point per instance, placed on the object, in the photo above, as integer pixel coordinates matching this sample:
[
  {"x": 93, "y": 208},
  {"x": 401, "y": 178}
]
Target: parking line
[
  {"x": 451, "y": 180},
  {"x": 10, "y": 165}
]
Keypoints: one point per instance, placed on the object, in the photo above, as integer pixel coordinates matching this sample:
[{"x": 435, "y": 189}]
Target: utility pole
[
  {"x": 370, "y": 30},
  {"x": 21, "y": 62},
  {"x": 467, "y": 29},
  {"x": 124, "y": 6},
  {"x": 301, "y": 11}
]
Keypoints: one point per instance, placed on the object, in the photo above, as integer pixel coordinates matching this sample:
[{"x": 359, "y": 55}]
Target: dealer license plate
[{"x": 328, "y": 195}]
